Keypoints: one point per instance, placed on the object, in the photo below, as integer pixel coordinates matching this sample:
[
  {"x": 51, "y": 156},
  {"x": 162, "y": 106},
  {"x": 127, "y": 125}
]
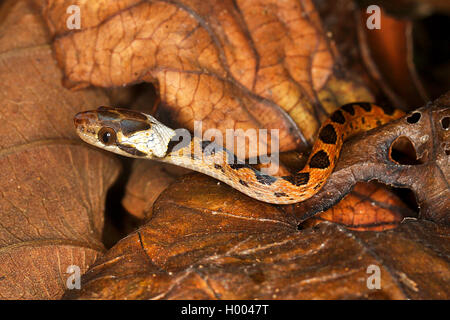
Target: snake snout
[
  {"x": 83, "y": 119},
  {"x": 78, "y": 120}
]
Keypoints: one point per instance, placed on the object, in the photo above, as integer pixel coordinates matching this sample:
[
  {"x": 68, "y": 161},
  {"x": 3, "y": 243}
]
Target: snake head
[{"x": 125, "y": 132}]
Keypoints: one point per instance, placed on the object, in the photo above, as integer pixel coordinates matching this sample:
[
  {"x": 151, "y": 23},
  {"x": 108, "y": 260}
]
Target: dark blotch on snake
[
  {"x": 131, "y": 150},
  {"x": 338, "y": 117},
  {"x": 349, "y": 108},
  {"x": 205, "y": 143},
  {"x": 120, "y": 113},
  {"x": 298, "y": 179},
  {"x": 328, "y": 134},
  {"x": 237, "y": 166},
  {"x": 264, "y": 179},
  {"x": 210, "y": 148},
  {"x": 280, "y": 194},
  {"x": 319, "y": 160},
  {"x": 389, "y": 110},
  {"x": 234, "y": 162},
  {"x": 104, "y": 115},
  {"x": 133, "y": 114},
  {"x": 243, "y": 183},
  {"x": 129, "y": 126},
  {"x": 366, "y": 106},
  {"x": 317, "y": 186}
]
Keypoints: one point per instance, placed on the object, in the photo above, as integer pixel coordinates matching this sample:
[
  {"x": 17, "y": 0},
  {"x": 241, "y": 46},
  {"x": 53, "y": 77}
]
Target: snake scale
[{"x": 135, "y": 134}]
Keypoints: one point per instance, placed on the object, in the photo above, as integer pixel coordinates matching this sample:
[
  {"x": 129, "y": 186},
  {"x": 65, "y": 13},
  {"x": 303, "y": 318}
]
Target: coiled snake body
[{"x": 134, "y": 134}]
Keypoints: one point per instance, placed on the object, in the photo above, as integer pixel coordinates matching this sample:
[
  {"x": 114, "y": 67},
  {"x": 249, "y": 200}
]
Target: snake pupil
[{"x": 106, "y": 137}]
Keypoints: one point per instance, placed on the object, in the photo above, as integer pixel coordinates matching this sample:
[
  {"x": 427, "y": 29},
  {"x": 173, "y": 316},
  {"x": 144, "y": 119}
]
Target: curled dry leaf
[
  {"x": 208, "y": 241},
  {"x": 371, "y": 157},
  {"x": 368, "y": 206},
  {"x": 231, "y": 64},
  {"x": 52, "y": 187}
]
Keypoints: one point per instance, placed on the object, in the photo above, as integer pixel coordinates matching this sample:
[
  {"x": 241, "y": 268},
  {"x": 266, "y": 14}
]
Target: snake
[{"x": 138, "y": 135}]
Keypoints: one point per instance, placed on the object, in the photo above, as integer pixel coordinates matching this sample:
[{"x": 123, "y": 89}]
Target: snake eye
[{"x": 107, "y": 136}]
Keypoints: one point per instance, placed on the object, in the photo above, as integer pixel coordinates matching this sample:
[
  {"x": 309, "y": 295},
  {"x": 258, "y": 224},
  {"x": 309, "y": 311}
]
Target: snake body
[{"x": 135, "y": 134}]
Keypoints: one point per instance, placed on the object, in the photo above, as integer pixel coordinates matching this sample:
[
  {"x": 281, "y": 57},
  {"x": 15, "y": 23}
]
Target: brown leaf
[
  {"x": 369, "y": 207},
  {"x": 389, "y": 59},
  {"x": 232, "y": 64},
  {"x": 147, "y": 180},
  {"x": 52, "y": 187},
  {"x": 371, "y": 157},
  {"x": 208, "y": 241}
]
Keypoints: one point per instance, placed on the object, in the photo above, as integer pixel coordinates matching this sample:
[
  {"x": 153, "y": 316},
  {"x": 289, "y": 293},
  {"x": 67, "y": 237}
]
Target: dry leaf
[
  {"x": 369, "y": 207},
  {"x": 53, "y": 187},
  {"x": 231, "y": 64},
  {"x": 147, "y": 180},
  {"x": 389, "y": 59},
  {"x": 208, "y": 241}
]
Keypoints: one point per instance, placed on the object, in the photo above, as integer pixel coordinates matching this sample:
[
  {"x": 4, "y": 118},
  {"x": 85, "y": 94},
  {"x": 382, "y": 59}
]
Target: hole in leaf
[
  {"x": 402, "y": 151},
  {"x": 445, "y": 123},
  {"x": 408, "y": 197},
  {"x": 414, "y": 118},
  {"x": 446, "y": 148}
]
